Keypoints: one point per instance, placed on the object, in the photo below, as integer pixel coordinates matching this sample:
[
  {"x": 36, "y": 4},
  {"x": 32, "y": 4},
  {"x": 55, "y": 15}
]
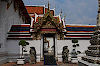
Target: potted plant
[{"x": 22, "y": 43}]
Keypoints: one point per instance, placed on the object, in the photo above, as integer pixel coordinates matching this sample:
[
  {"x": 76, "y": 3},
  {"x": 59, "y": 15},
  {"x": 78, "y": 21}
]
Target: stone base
[
  {"x": 3, "y": 60},
  {"x": 85, "y": 63},
  {"x": 20, "y": 61},
  {"x": 74, "y": 60},
  {"x": 42, "y": 59}
]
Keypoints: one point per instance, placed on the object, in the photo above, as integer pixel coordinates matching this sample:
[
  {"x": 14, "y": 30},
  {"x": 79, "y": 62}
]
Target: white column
[
  {"x": 20, "y": 50},
  {"x": 56, "y": 46},
  {"x": 41, "y": 47}
]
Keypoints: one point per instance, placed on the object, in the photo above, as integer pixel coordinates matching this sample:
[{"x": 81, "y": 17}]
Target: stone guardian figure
[
  {"x": 65, "y": 54},
  {"x": 32, "y": 55}
]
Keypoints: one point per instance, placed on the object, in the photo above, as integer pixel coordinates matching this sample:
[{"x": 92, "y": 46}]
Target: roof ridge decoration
[
  {"x": 32, "y": 21},
  {"x": 46, "y": 16},
  {"x": 36, "y": 16},
  {"x": 43, "y": 20},
  {"x": 35, "y": 5},
  {"x": 48, "y": 6},
  {"x": 48, "y": 21}
]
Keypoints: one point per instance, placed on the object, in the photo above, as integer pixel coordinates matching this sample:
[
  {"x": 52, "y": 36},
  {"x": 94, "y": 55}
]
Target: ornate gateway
[{"x": 47, "y": 24}]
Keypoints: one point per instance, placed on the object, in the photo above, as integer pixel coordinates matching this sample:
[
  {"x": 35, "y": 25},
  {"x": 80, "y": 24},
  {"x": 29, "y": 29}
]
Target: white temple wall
[
  {"x": 8, "y": 17},
  {"x": 13, "y": 47},
  {"x": 14, "y": 50},
  {"x": 83, "y": 46},
  {"x": 37, "y": 45}
]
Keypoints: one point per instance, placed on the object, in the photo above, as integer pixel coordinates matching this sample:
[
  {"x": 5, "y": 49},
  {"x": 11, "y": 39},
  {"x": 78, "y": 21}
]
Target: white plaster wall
[
  {"x": 61, "y": 43},
  {"x": 13, "y": 50},
  {"x": 13, "y": 47},
  {"x": 7, "y": 18},
  {"x": 37, "y": 45}
]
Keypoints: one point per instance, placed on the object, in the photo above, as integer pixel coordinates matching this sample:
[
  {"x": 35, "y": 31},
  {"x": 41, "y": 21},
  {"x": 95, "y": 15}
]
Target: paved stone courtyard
[{"x": 39, "y": 64}]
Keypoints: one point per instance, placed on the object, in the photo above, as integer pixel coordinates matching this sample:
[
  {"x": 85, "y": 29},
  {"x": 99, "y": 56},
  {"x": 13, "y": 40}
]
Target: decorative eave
[
  {"x": 43, "y": 20},
  {"x": 77, "y": 37},
  {"x": 20, "y": 34},
  {"x": 20, "y": 31},
  {"x": 12, "y": 38},
  {"x": 77, "y": 31},
  {"x": 80, "y": 32}
]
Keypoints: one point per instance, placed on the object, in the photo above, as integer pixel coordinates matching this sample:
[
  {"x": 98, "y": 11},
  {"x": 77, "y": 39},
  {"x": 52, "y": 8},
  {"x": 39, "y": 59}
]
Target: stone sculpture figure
[
  {"x": 65, "y": 54},
  {"x": 74, "y": 53},
  {"x": 32, "y": 55}
]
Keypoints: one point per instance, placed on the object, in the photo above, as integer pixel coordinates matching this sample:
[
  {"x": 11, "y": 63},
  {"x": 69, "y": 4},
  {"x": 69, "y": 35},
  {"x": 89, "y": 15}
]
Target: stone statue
[
  {"x": 74, "y": 53},
  {"x": 32, "y": 55},
  {"x": 65, "y": 54}
]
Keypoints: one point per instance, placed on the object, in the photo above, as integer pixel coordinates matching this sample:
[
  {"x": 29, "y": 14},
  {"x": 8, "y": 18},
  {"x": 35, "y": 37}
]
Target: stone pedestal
[
  {"x": 74, "y": 60},
  {"x": 20, "y": 61}
]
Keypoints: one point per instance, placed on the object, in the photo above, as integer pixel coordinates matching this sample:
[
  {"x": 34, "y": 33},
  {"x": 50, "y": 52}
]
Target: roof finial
[
  {"x": 61, "y": 13},
  {"x": 99, "y": 5},
  {"x": 48, "y": 6}
]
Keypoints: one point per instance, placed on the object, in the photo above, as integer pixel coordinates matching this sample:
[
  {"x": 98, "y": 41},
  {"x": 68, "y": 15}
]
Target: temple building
[
  {"x": 42, "y": 29},
  {"x": 46, "y": 26}
]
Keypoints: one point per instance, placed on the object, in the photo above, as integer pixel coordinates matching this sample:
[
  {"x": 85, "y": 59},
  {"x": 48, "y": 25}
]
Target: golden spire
[
  {"x": 61, "y": 13},
  {"x": 48, "y": 6}
]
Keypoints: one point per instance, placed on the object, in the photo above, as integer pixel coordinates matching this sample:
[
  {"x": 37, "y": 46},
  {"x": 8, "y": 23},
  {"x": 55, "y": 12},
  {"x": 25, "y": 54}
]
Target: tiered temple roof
[
  {"x": 20, "y": 32},
  {"x": 37, "y": 13},
  {"x": 79, "y": 31},
  {"x": 72, "y": 31},
  {"x": 39, "y": 10},
  {"x": 35, "y": 9}
]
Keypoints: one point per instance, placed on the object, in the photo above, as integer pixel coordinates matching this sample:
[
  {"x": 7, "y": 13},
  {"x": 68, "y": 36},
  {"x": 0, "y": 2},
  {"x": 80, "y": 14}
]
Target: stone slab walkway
[{"x": 39, "y": 64}]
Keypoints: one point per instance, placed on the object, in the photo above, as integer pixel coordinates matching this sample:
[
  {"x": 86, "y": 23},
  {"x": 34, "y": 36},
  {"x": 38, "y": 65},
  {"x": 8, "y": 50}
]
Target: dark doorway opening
[{"x": 49, "y": 44}]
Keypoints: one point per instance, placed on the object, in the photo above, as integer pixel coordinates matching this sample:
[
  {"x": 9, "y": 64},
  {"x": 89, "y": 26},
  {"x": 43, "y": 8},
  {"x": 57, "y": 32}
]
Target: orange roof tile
[
  {"x": 35, "y": 9},
  {"x": 78, "y": 26}
]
